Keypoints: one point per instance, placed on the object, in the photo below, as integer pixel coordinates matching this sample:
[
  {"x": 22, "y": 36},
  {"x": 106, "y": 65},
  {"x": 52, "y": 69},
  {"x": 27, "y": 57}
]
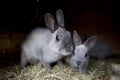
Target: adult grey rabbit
[
  {"x": 47, "y": 45},
  {"x": 80, "y": 59}
]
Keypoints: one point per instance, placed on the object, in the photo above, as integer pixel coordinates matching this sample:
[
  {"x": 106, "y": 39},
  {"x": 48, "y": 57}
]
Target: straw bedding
[{"x": 96, "y": 71}]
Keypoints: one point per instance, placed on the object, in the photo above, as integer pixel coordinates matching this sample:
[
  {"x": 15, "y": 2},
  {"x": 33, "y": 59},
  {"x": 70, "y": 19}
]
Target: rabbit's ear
[
  {"x": 60, "y": 18},
  {"x": 90, "y": 42},
  {"x": 50, "y": 22},
  {"x": 76, "y": 39}
]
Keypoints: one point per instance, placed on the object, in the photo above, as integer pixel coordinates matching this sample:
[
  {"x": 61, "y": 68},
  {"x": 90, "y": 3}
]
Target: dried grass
[{"x": 96, "y": 71}]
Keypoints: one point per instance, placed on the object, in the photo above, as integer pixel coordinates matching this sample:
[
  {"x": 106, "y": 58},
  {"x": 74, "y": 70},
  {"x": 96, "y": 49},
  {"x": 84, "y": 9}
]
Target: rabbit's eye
[
  {"x": 57, "y": 37},
  {"x": 86, "y": 55}
]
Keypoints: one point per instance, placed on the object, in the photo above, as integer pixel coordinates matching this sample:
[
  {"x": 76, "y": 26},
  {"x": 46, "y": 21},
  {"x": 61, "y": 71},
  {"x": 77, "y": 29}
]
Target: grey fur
[
  {"x": 47, "y": 45},
  {"x": 79, "y": 61}
]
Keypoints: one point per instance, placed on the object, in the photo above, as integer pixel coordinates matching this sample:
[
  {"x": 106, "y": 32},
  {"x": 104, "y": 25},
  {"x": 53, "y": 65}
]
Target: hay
[
  {"x": 37, "y": 72},
  {"x": 96, "y": 71},
  {"x": 114, "y": 71}
]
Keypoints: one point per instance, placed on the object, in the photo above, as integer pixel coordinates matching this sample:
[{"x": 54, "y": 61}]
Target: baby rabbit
[
  {"x": 80, "y": 59},
  {"x": 47, "y": 45}
]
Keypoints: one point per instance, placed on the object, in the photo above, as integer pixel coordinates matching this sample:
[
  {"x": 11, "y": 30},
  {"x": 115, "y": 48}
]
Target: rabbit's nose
[
  {"x": 71, "y": 52},
  {"x": 78, "y": 62},
  {"x": 70, "y": 49}
]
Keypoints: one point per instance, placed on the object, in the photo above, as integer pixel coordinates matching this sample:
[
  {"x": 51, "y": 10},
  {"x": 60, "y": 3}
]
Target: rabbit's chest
[{"x": 50, "y": 57}]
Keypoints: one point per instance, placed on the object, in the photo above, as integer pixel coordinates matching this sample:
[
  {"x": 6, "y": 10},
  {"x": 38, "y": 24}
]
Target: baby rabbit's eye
[
  {"x": 57, "y": 37},
  {"x": 86, "y": 55}
]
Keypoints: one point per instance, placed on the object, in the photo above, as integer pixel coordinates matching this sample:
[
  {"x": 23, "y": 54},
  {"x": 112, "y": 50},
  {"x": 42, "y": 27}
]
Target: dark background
[{"x": 22, "y": 15}]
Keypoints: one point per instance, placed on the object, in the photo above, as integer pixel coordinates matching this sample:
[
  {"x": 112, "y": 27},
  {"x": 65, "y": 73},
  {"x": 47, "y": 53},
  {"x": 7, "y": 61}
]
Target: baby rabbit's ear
[
  {"x": 50, "y": 22},
  {"x": 60, "y": 18},
  {"x": 90, "y": 42},
  {"x": 76, "y": 38}
]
